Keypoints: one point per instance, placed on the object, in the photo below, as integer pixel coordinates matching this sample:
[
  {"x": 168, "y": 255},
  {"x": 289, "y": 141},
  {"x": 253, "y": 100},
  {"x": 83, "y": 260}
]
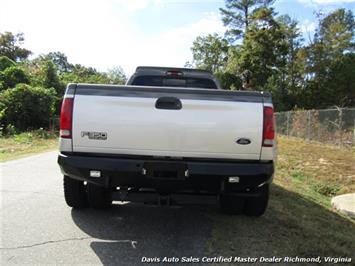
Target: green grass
[
  {"x": 299, "y": 220},
  {"x": 28, "y": 143},
  {"x": 327, "y": 170}
]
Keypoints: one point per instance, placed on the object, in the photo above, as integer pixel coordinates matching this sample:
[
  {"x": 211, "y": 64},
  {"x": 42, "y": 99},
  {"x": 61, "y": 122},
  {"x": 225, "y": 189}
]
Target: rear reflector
[
  {"x": 66, "y": 117},
  {"x": 269, "y": 127}
]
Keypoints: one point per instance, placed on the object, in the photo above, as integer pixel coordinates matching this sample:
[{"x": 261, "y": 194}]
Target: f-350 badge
[{"x": 94, "y": 135}]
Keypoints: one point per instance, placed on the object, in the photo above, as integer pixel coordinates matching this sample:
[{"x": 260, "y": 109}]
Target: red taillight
[
  {"x": 269, "y": 128},
  {"x": 66, "y": 117},
  {"x": 174, "y": 73}
]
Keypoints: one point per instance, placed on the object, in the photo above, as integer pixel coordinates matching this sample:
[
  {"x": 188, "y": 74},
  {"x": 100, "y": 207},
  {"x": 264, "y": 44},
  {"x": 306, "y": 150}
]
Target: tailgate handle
[{"x": 169, "y": 103}]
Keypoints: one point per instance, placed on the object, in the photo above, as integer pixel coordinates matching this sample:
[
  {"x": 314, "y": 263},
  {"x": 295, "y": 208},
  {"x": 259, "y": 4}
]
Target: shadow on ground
[
  {"x": 292, "y": 226},
  {"x": 126, "y": 233}
]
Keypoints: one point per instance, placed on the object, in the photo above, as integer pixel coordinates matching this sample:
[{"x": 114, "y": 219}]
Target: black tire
[
  {"x": 74, "y": 193},
  {"x": 258, "y": 205},
  {"x": 98, "y": 197},
  {"x": 231, "y": 204}
]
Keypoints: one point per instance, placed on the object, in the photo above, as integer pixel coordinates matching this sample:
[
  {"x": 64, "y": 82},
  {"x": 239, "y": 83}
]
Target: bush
[
  {"x": 30, "y": 136},
  {"x": 2, "y": 82},
  {"x": 6, "y": 62},
  {"x": 13, "y": 75},
  {"x": 10, "y": 130},
  {"x": 43, "y": 134},
  {"x": 26, "y": 107}
]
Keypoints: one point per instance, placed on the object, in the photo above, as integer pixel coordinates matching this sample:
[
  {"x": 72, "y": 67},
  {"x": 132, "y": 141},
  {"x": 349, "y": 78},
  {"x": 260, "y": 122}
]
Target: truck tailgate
[{"x": 208, "y": 125}]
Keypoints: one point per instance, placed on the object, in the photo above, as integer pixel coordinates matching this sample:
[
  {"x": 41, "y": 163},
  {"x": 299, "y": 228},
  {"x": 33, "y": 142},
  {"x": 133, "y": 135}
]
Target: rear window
[{"x": 159, "y": 81}]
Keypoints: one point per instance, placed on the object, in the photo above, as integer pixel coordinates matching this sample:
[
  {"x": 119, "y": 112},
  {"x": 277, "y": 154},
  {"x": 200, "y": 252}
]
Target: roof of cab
[
  {"x": 188, "y": 72},
  {"x": 147, "y": 68},
  {"x": 162, "y": 71}
]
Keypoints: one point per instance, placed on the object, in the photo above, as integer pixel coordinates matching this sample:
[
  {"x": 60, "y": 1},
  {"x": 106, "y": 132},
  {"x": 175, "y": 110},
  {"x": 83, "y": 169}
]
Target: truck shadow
[
  {"x": 292, "y": 226},
  {"x": 125, "y": 234}
]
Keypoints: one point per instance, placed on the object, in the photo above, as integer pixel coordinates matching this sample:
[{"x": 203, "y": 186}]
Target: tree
[
  {"x": 6, "y": 62},
  {"x": 262, "y": 52},
  {"x": 271, "y": 56},
  {"x": 49, "y": 76},
  {"x": 12, "y": 76},
  {"x": 60, "y": 61},
  {"x": 336, "y": 31},
  {"x": 10, "y": 46},
  {"x": 287, "y": 78},
  {"x": 44, "y": 73},
  {"x": 210, "y": 52},
  {"x": 82, "y": 74},
  {"x": 116, "y": 75},
  {"x": 333, "y": 37},
  {"x": 31, "y": 90},
  {"x": 239, "y": 14},
  {"x": 341, "y": 81},
  {"x": 228, "y": 80},
  {"x": 328, "y": 56}
]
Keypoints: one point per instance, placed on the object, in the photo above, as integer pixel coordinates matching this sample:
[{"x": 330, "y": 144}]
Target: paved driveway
[{"x": 38, "y": 228}]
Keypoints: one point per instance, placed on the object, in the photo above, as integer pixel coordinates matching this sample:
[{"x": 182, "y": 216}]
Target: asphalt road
[{"x": 38, "y": 228}]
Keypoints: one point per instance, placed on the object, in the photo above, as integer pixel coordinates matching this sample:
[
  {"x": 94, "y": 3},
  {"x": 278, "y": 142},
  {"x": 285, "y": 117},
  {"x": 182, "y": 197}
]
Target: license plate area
[{"x": 166, "y": 170}]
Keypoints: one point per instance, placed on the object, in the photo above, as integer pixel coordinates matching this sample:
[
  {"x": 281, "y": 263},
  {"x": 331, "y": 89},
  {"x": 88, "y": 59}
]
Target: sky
[{"x": 108, "y": 33}]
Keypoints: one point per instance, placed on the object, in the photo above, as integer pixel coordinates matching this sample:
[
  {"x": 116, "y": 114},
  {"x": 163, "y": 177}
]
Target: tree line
[
  {"x": 31, "y": 90},
  {"x": 262, "y": 50}
]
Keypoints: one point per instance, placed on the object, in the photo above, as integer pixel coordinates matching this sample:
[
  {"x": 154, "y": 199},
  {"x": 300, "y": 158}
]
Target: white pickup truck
[{"x": 170, "y": 135}]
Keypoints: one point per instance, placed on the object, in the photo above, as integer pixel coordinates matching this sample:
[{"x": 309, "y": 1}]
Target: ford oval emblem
[{"x": 243, "y": 141}]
